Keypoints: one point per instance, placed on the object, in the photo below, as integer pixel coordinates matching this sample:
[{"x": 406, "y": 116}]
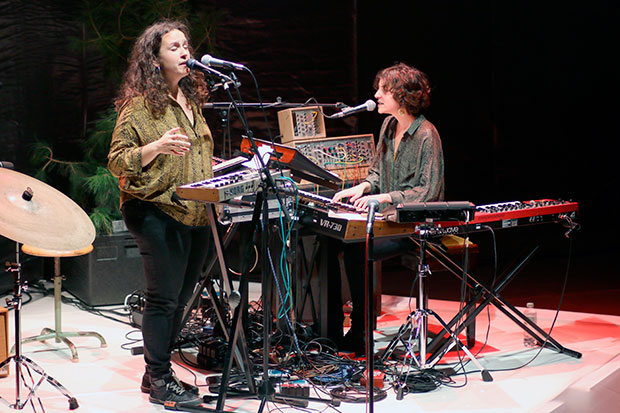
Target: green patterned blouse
[
  {"x": 415, "y": 172},
  {"x": 157, "y": 182}
]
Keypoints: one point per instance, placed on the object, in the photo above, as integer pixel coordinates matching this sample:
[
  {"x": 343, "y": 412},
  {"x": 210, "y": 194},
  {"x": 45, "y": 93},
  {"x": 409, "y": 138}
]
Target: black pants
[
  {"x": 173, "y": 256},
  {"x": 354, "y": 260}
]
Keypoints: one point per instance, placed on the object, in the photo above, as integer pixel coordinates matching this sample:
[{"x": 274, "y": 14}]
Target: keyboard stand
[{"x": 440, "y": 345}]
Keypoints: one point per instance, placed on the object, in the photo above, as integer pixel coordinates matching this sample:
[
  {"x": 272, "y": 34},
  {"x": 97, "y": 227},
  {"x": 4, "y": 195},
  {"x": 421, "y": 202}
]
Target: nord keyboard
[
  {"x": 351, "y": 226},
  {"x": 226, "y": 187},
  {"x": 510, "y": 215}
]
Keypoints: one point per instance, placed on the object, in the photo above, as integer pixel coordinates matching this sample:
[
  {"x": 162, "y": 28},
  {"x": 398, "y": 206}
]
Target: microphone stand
[
  {"x": 266, "y": 392},
  {"x": 370, "y": 356}
]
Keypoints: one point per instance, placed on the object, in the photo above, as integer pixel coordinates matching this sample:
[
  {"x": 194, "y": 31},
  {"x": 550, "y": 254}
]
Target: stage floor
[{"x": 108, "y": 379}]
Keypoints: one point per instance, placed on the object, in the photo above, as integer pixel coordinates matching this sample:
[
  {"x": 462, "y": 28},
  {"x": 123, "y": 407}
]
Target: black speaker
[{"x": 108, "y": 274}]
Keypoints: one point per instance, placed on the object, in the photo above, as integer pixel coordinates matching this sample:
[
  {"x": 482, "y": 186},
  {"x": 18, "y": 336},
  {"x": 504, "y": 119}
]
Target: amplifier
[{"x": 107, "y": 275}]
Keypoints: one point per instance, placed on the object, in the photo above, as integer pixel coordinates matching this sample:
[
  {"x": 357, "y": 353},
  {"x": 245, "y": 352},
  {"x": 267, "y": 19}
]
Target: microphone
[
  {"x": 7, "y": 165},
  {"x": 369, "y": 106},
  {"x": 225, "y": 64},
  {"x": 195, "y": 64},
  {"x": 373, "y": 204}
]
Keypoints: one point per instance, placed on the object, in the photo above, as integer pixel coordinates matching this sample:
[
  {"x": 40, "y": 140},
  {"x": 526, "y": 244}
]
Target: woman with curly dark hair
[
  {"x": 408, "y": 167},
  {"x": 161, "y": 140}
]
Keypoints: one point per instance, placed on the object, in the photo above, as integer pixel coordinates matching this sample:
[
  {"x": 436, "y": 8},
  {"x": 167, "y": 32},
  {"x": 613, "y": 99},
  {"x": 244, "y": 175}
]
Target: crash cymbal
[{"x": 34, "y": 213}]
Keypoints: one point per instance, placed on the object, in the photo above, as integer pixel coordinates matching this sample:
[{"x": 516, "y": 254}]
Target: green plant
[
  {"x": 90, "y": 183},
  {"x": 112, "y": 26}
]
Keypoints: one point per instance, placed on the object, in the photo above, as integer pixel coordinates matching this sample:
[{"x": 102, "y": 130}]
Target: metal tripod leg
[
  {"x": 486, "y": 376},
  {"x": 492, "y": 296},
  {"x": 420, "y": 319},
  {"x": 24, "y": 364}
]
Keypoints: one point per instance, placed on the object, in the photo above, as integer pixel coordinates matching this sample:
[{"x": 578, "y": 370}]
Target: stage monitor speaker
[
  {"x": 108, "y": 274},
  {"x": 4, "y": 340}
]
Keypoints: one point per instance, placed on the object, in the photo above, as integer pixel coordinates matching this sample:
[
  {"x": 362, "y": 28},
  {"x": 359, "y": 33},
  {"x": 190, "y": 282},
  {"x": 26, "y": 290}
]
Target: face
[
  {"x": 385, "y": 101},
  {"x": 173, "y": 53}
]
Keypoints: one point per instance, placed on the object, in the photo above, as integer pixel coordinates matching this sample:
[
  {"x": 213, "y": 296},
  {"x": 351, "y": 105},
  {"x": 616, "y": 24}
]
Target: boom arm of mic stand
[
  {"x": 225, "y": 78},
  {"x": 277, "y": 104}
]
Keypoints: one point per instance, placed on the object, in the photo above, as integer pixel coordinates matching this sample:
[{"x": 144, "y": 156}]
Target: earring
[
  {"x": 402, "y": 112},
  {"x": 158, "y": 68}
]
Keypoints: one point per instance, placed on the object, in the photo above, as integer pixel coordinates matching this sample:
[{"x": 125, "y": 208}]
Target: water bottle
[{"x": 530, "y": 312}]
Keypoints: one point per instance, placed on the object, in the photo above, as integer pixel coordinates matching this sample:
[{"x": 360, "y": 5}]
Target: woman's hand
[
  {"x": 170, "y": 143},
  {"x": 362, "y": 203},
  {"x": 173, "y": 143},
  {"x": 353, "y": 193}
]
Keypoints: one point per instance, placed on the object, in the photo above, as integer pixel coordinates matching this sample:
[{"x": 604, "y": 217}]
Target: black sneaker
[
  {"x": 145, "y": 386},
  {"x": 169, "y": 389}
]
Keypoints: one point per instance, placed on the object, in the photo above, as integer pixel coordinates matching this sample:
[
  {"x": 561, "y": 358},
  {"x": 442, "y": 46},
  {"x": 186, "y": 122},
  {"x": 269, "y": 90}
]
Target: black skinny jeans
[{"x": 173, "y": 255}]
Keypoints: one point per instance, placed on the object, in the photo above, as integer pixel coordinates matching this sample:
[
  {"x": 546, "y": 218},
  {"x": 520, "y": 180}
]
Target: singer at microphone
[
  {"x": 161, "y": 141},
  {"x": 369, "y": 106}
]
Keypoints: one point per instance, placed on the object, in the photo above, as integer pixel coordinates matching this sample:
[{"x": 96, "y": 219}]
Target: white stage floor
[{"x": 108, "y": 379}]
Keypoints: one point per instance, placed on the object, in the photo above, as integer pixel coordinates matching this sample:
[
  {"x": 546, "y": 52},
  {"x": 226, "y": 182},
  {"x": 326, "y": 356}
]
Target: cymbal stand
[
  {"x": 22, "y": 363},
  {"x": 418, "y": 321}
]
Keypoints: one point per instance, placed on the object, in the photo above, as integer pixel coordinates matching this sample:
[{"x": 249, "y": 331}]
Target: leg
[
  {"x": 171, "y": 267},
  {"x": 355, "y": 268},
  {"x": 329, "y": 264},
  {"x": 163, "y": 247},
  {"x": 199, "y": 247}
]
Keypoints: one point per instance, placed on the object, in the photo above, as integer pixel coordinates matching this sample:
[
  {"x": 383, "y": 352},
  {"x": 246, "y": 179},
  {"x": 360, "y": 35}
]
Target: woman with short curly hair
[{"x": 408, "y": 167}]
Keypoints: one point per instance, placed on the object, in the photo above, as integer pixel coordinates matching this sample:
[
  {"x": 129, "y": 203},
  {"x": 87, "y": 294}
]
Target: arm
[
  {"x": 129, "y": 155},
  {"x": 171, "y": 143},
  {"x": 352, "y": 193}
]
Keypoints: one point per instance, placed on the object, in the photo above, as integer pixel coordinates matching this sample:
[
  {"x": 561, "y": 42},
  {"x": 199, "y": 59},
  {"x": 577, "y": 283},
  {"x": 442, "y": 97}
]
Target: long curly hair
[
  {"x": 144, "y": 78},
  {"x": 409, "y": 86}
]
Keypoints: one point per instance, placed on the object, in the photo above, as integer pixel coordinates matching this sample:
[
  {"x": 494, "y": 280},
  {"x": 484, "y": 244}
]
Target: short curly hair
[{"x": 409, "y": 86}]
